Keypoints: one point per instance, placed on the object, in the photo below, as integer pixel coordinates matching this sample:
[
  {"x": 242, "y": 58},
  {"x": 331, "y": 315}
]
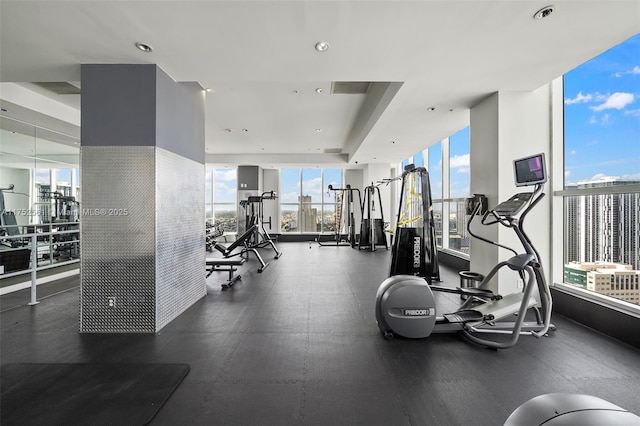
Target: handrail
[{"x": 34, "y": 268}]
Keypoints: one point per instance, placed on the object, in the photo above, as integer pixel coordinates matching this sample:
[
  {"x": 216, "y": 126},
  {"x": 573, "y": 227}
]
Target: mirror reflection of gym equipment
[{"x": 405, "y": 302}]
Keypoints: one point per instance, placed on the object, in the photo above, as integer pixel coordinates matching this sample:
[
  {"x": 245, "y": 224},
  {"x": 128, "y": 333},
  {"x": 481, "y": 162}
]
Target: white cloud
[
  {"x": 606, "y": 119},
  {"x": 618, "y": 100},
  {"x": 633, "y": 112},
  {"x": 602, "y": 176},
  {"x": 460, "y": 161},
  {"x": 635, "y": 71},
  {"x": 225, "y": 175},
  {"x": 580, "y": 98},
  {"x": 573, "y": 152},
  {"x": 567, "y": 173}
]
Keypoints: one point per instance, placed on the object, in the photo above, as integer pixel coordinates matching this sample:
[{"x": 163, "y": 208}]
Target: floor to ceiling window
[
  {"x": 221, "y": 198},
  {"x": 602, "y": 174},
  {"x": 306, "y": 204},
  {"x": 448, "y": 165}
]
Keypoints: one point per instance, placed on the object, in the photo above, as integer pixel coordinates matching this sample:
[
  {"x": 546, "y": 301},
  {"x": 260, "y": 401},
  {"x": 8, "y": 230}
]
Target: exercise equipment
[
  {"x": 242, "y": 242},
  {"x": 345, "y": 230},
  {"x": 225, "y": 265},
  {"x": 570, "y": 409},
  {"x": 414, "y": 250},
  {"x": 260, "y": 237},
  {"x": 405, "y": 304},
  {"x": 255, "y": 237},
  {"x": 372, "y": 228}
]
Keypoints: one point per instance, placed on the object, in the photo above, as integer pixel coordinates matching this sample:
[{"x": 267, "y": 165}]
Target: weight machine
[
  {"x": 372, "y": 228},
  {"x": 345, "y": 229}
]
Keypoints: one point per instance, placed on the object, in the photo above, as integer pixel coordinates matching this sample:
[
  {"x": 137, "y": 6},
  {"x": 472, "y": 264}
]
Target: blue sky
[{"x": 602, "y": 115}]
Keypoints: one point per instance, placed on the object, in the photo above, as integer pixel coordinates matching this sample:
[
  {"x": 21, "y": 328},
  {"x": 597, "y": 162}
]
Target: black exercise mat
[{"x": 86, "y": 394}]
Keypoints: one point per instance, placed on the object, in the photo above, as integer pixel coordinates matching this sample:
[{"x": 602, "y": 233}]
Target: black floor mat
[{"x": 86, "y": 394}]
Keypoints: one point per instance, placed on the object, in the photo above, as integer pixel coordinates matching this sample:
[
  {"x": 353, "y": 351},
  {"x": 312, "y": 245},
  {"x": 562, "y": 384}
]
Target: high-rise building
[
  {"x": 609, "y": 279},
  {"x": 603, "y": 227},
  {"x": 308, "y": 215}
]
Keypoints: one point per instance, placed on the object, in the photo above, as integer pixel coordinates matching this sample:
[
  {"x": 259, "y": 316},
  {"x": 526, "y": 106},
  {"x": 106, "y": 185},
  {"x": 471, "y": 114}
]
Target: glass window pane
[
  {"x": 459, "y": 177},
  {"x": 289, "y": 186},
  {"x": 458, "y": 234},
  {"x": 225, "y": 186},
  {"x": 418, "y": 159},
  {"x": 601, "y": 244},
  {"x": 435, "y": 170},
  {"x": 601, "y": 117},
  {"x": 311, "y": 185},
  {"x": 226, "y": 215},
  {"x": 331, "y": 177},
  {"x": 437, "y": 221},
  {"x": 310, "y": 218},
  {"x": 289, "y": 218},
  {"x": 329, "y": 218}
]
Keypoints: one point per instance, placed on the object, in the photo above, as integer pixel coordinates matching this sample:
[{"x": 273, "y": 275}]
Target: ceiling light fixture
[
  {"x": 208, "y": 90},
  {"x": 322, "y": 46},
  {"x": 431, "y": 109},
  {"x": 319, "y": 90},
  {"x": 144, "y": 47},
  {"x": 228, "y": 130},
  {"x": 544, "y": 12},
  {"x": 318, "y": 130}
]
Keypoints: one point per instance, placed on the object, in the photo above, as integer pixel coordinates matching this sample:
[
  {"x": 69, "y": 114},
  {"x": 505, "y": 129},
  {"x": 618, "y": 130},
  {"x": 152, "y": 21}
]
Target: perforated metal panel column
[{"x": 142, "y": 175}]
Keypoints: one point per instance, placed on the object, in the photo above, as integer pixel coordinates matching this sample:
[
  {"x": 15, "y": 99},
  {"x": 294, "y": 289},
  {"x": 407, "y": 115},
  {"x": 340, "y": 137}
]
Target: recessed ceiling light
[
  {"x": 392, "y": 142},
  {"x": 245, "y": 130},
  {"x": 319, "y": 90},
  {"x": 431, "y": 109},
  {"x": 228, "y": 130},
  {"x": 144, "y": 47},
  {"x": 322, "y": 46},
  {"x": 318, "y": 130},
  {"x": 544, "y": 12},
  {"x": 208, "y": 90}
]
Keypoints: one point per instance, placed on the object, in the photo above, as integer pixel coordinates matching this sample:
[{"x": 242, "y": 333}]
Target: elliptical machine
[{"x": 406, "y": 306}]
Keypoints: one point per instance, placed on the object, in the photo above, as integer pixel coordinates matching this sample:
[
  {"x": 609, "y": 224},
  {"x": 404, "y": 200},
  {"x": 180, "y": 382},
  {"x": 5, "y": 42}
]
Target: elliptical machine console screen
[{"x": 530, "y": 170}]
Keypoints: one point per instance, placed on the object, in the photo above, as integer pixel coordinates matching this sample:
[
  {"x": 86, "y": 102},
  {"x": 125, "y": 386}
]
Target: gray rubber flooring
[{"x": 298, "y": 344}]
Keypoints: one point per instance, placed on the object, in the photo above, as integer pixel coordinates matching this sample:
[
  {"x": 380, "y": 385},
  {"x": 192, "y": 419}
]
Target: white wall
[{"x": 504, "y": 127}]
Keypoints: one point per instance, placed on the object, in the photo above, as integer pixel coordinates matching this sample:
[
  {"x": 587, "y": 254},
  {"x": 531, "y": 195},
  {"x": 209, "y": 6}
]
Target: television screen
[{"x": 530, "y": 170}]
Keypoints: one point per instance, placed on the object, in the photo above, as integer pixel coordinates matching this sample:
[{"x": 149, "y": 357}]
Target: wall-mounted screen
[{"x": 530, "y": 170}]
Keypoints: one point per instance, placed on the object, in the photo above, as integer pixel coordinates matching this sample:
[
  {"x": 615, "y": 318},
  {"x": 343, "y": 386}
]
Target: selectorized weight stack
[{"x": 414, "y": 249}]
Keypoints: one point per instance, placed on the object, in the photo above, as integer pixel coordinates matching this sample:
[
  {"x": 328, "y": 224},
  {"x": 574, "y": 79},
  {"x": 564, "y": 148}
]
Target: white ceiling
[{"x": 258, "y": 57}]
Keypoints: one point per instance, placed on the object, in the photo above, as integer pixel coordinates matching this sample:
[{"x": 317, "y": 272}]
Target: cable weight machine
[
  {"x": 345, "y": 230},
  {"x": 372, "y": 228}
]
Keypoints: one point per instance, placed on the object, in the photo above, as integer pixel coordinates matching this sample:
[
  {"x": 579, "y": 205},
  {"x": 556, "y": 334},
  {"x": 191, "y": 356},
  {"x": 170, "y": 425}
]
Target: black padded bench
[{"x": 226, "y": 264}]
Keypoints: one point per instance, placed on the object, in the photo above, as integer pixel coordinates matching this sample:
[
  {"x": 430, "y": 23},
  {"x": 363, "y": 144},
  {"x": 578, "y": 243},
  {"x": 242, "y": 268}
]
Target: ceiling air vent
[
  {"x": 350, "y": 87},
  {"x": 59, "y": 87}
]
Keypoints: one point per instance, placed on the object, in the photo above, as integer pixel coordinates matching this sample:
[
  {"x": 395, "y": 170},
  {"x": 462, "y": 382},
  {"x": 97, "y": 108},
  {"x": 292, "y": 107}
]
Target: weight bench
[
  {"x": 228, "y": 251},
  {"x": 222, "y": 265}
]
